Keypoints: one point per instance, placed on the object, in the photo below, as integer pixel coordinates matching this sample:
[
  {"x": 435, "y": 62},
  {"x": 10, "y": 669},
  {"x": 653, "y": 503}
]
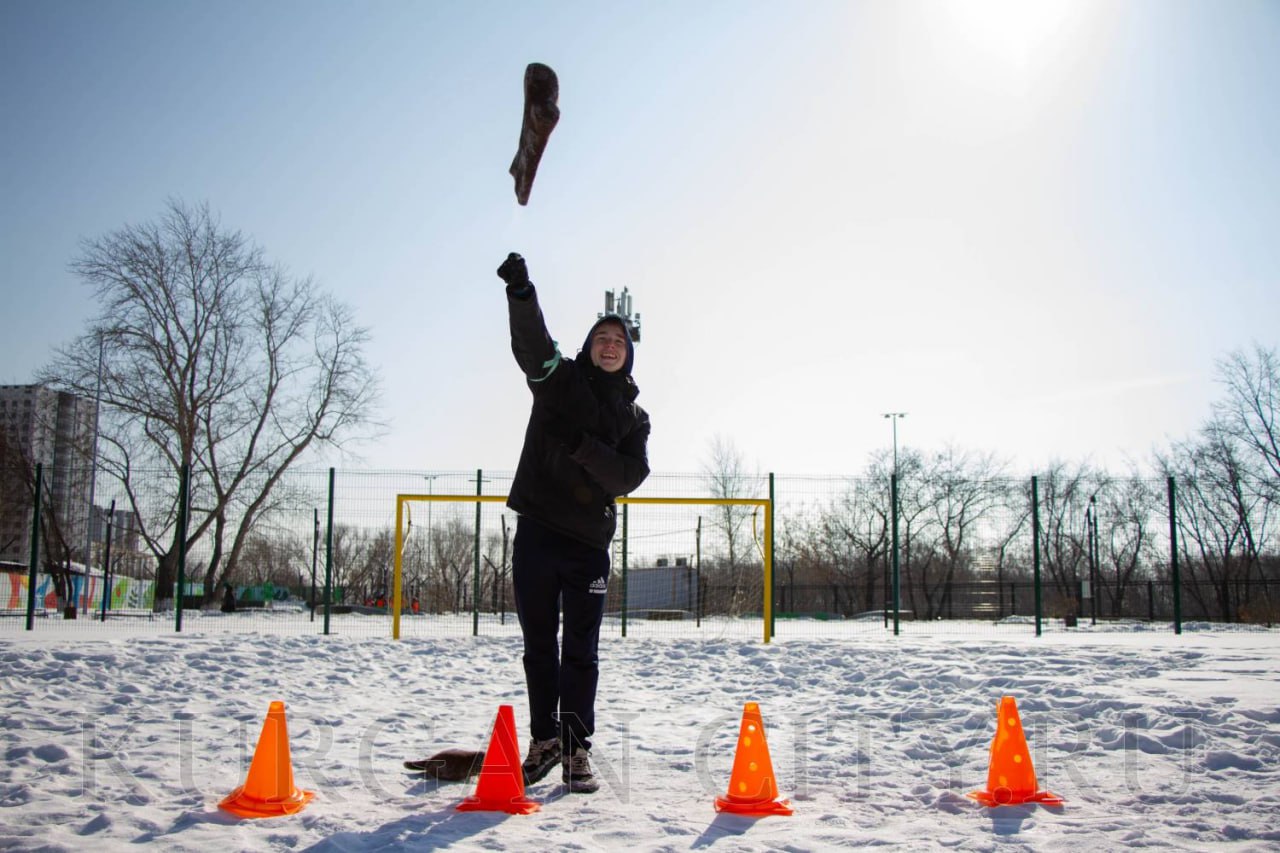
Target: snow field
[{"x": 1152, "y": 739}]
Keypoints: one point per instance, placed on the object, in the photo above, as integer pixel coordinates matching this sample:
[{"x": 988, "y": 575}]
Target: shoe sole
[{"x": 581, "y": 786}]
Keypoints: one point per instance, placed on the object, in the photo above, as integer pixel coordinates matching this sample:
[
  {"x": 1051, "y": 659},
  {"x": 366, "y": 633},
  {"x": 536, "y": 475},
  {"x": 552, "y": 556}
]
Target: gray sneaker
[
  {"x": 542, "y": 756},
  {"x": 577, "y": 773}
]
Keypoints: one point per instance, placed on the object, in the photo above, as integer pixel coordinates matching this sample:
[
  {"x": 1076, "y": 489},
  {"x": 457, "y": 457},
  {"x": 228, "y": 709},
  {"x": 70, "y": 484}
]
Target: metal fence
[{"x": 1010, "y": 556}]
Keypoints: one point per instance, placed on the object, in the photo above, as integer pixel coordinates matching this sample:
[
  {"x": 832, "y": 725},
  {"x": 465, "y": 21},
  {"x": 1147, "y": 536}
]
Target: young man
[{"x": 585, "y": 444}]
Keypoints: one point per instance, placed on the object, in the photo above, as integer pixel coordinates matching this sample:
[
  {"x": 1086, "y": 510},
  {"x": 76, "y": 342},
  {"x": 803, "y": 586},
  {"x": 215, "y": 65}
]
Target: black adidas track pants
[{"x": 552, "y": 572}]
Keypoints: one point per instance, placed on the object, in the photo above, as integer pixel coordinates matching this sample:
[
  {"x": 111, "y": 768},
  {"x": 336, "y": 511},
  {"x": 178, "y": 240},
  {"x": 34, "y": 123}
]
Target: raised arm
[{"x": 531, "y": 343}]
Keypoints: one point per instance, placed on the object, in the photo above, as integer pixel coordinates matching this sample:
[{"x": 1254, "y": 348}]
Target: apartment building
[{"x": 56, "y": 429}]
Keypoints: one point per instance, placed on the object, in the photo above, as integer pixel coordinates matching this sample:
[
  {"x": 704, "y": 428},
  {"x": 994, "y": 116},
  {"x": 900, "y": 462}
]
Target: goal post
[
  {"x": 764, "y": 541},
  {"x": 766, "y": 546},
  {"x": 402, "y": 501}
]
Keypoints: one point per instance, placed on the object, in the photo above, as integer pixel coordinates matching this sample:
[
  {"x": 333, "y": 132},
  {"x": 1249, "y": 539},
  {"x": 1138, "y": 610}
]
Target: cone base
[
  {"x": 519, "y": 805},
  {"x": 1005, "y": 797},
  {"x": 242, "y": 806},
  {"x": 756, "y": 808}
]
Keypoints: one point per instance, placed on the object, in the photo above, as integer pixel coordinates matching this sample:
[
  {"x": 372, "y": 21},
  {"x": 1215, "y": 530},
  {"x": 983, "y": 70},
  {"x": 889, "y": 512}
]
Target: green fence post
[
  {"x": 106, "y": 560},
  {"x": 315, "y": 551},
  {"x": 625, "y": 507},
  {"x": 697, "y": 568},
  {"x": 773, "y": 556},
  {"x": 1173, "y": 558},
  {"x": 897, "y": 585},
  {"x": 1035, "y": 551},
  {"x": 184, "y": 500},
  {"x": 475, "y": 571},
  {"x": 35, "y": 549},
  {"x": 328, "y": 556}
]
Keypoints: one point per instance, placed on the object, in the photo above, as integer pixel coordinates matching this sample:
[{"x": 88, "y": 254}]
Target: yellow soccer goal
[{"x": 679, "y": 565}]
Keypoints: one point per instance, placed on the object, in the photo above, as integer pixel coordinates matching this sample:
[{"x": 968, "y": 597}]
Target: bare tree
[
  {"x": 499, "y": 546},
  {"x": 725, "y": 472},
  {"x": 1127, "y": 511},
  {"x": 1229, "y": 488},
  {"x": 415, "y": 560},
  {"x": 276, "y": 556},
  {"x": 453, "y": 559},
  {"x": 1250, "y": 411},
  {"x": 847, "y": 541},
  {"x": 213, "y": 359},
  {"x": 1064, "y": 496},
  {"x": 362, "y": 562},
  {"x": 1220, "y": 520},
  {"x": 955, "y": 492},
  {"x": 1012, "y": 548},
  {"x": 349, "y": 547},
  {"x": 856, "y": 534},
  {"x": 919, "y": 535}
]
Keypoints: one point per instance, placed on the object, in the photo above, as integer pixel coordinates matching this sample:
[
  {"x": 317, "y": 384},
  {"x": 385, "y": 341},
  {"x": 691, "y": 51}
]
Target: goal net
[{"x": 679, "y": 566}]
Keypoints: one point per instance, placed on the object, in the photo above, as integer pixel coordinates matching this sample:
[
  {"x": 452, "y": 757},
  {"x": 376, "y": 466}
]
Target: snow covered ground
[{"x": 114, "y": 739}]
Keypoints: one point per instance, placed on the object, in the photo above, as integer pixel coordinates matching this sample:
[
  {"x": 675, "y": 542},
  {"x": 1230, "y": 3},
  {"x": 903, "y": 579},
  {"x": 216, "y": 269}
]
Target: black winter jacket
[{"x": 586, "y": 441}]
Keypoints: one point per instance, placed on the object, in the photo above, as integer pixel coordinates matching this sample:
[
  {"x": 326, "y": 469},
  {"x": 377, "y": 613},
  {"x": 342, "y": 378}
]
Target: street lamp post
[
  {"x": 894, "y": 416},
  {"x": 893, "y": 512}
]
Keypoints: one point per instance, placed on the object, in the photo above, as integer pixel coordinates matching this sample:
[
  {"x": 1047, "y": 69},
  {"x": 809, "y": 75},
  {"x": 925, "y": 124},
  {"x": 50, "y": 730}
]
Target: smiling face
[{"x": 609, "y": 347}]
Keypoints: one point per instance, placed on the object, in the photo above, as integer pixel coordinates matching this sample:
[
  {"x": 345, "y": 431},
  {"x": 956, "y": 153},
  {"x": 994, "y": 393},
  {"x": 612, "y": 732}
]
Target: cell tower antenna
[{"x": 620, "y": 304}]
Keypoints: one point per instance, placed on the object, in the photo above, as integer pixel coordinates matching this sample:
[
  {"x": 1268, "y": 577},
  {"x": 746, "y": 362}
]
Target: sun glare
[{"x": 1014, "y": 31}]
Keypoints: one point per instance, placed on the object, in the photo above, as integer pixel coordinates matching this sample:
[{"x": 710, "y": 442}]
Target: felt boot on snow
[
  {"x": 577, "y": 775},
  {"x": 450, "y": 765},
  {"x": 542, "y": 756}
]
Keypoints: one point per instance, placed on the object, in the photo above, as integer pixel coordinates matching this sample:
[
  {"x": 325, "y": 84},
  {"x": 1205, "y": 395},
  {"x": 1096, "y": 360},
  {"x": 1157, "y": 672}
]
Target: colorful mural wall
[{"x": 126, "y": 593}]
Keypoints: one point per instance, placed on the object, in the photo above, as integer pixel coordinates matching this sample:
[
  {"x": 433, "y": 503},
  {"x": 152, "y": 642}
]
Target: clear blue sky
[{"x": 1032, "y": 226}]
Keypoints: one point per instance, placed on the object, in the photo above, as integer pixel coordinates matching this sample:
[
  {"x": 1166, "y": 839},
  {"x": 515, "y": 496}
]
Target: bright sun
[{"x": 1010, "y": 30}]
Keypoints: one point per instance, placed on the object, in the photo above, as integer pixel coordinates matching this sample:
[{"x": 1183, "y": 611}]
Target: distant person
[
  {"x": 586, "y": 443},
  {"x": 228, "y": 599}
]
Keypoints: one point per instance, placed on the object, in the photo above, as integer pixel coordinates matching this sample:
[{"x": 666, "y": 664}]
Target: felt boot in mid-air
[{"x": 541, "y": 92}]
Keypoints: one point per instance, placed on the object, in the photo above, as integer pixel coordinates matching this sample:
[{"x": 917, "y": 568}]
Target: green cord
[{"x": 550, "y": 364}]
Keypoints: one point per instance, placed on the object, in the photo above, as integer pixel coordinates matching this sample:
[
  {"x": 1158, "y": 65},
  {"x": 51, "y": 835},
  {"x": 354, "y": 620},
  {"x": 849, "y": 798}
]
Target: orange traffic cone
[
  {"x": 752, "y": 790},
  {"x": 501, "y": 784},
  {"x": 1011, "y": 780},
  {"x": 269, "y": 790}
]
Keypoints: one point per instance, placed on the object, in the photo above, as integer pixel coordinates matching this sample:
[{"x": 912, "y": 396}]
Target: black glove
[{"x": 515, "y": 273}]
